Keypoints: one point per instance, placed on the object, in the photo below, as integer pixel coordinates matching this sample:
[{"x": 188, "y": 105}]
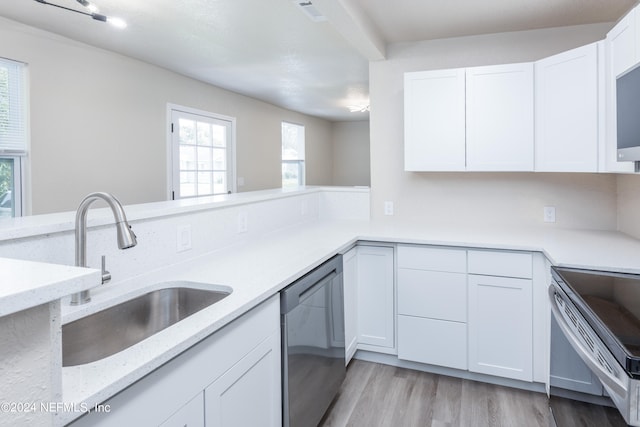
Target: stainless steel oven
[{"x": 599, "y": 313}]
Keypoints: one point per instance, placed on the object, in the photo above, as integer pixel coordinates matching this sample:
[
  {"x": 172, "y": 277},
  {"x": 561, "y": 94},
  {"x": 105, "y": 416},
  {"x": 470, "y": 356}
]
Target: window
[
  {"x": 202, "y": 153},
  {"x": 292, "y": 155},
  {"x": 13, "y": 136}
]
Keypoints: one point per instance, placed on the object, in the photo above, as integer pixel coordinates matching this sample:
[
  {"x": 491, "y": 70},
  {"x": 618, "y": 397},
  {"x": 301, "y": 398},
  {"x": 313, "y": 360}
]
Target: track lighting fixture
[
  {"x": 92, "y": 12},
  {"x": 90, "y": 6}
]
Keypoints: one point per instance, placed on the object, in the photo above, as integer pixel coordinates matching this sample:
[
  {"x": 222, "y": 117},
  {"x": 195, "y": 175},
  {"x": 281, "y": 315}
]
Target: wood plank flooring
[{"x": 380, "y": 395}]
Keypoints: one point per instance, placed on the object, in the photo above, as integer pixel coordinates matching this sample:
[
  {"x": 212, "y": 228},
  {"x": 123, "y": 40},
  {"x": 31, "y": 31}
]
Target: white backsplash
[{"x": 212, "y": 229}]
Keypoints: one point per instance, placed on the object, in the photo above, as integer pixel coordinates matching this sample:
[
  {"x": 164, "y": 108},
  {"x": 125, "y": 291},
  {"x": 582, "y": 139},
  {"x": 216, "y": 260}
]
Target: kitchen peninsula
[{"x": 289, "y": 233}]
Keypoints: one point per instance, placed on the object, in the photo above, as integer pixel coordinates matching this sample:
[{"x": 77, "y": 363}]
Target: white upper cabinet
[
  {"x": 434, "y": 106},
  {"x": 495, "y": 118},
  {"x": 500, "y": 118},
  {"x": 567, "y": 111},
  {"x": 622, "y": 41},
  {"x": 477, "y": 119}
]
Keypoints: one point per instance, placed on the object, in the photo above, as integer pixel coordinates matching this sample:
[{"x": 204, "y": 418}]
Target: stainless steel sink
[{"x": 116, "y": 328}]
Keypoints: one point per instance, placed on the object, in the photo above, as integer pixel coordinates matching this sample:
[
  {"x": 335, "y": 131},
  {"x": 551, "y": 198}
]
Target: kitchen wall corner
[
  {"x": 628, "y": 204},
  {"x": 510, "y": 199}
]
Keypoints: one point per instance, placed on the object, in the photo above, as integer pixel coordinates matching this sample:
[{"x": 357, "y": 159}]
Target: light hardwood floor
[{"x": 380, "y": 395}]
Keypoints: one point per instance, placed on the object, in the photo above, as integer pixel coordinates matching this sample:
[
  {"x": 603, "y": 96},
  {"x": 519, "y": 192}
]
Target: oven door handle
[{"x": 614, "y": 383}]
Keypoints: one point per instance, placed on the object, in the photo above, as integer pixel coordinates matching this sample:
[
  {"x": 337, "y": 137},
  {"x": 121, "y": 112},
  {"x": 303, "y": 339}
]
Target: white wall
[
  {"x": 629, "y": 204},
  {"x": 213, "y": 228},
  {"x": 98, "y": 123},
  {"x": 351, "y": 155},
  {"x": 581, "y": 200}
]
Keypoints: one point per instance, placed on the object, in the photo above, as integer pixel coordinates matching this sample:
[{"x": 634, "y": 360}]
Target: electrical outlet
[
  {"x": 183, "y": 238},
  {"x": 388, "y": 208},
  {"x": 243, "y": 222},
  {"x": 549, "y": 214}
]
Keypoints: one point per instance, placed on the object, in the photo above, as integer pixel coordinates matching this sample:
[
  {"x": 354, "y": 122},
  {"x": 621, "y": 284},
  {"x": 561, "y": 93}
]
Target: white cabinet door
[
  {"x": 247, "y": 349},
  {"x": 190, "y": 415},
  {"x": 433, "y": 294},
  {"x": 500, "y": 118},
  {"x": 375, "y": 297},
  {"x": 622, "y": 41},
  {"x": 500, "y": 326},
  {"x": 621, "y": 55},
  {"x": 432, "y": 341},
  {"x": 566, "y": 115},
  {"x": 350, "y": 278},
  {"x": 434, "y": 111},
  {"x": 249, "y": 393}
]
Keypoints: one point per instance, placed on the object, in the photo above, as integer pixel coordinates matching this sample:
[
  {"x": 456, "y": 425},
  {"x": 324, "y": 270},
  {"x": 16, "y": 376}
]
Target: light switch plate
[
  {"x": 549, "y": 214},
  {"x": 388, "y": 208},
  {"x": 183, "y": 238},
  {"x": 243, "y": 222}
]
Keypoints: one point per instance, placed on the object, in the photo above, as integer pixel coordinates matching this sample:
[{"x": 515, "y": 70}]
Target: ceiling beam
[{"x": 355, "y": 26}]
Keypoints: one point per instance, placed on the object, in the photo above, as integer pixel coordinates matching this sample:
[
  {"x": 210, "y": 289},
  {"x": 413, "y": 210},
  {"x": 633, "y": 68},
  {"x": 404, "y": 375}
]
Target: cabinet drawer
[
  {"x": 435, "y": 294},
  {"x": 506, "y": 264},
  {"x": 436, "y": 342},
  {"x": 435, "y": 259}
]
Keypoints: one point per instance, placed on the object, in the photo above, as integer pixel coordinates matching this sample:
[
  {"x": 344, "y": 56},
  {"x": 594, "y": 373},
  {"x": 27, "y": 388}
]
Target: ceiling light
[
  {"x": 358, "y": 108},
  {"x": 116, "y": 22}
]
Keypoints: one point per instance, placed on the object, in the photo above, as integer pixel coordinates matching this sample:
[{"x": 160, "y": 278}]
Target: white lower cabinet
[
  {"x": 190, "y": 415},
  {"x": 432, "y": 306},
  {"x": 253, "y": 379},
  {"x": 376, "y": 296},
  {"x": 501, "y": 315},
  {"x": 500, "y": 327},
  {"x": 231, "y": 378},
  {"x": 432, "y": 341},
  {"x": 350, "y": 279},
  {"x": 472, "y": 310}
]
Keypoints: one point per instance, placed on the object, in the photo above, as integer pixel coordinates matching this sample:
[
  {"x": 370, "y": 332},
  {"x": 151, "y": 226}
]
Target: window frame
[
  {"x": 17, "y": 192},
  {"x": 302, "y": 175},
  {"x": 173, "y": 157},
  {"x": 19, "y": 156}
]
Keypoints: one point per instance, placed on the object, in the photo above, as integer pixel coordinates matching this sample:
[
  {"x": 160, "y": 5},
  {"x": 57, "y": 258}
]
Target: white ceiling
[
  {"x": 414, "y": 20},
  {"x": 270, "y": 50}
]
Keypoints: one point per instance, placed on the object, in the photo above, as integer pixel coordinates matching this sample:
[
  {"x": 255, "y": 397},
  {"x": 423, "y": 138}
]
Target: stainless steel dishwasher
[{"x": 313, "y": 351}]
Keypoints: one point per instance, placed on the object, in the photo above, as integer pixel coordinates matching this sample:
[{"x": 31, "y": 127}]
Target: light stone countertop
[
  {"x": 27, "y": 284},
  {"x": 261, "y": 268}
]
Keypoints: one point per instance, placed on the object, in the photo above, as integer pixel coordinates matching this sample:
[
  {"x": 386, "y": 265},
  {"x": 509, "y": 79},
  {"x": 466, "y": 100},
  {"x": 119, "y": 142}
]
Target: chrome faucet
[{"x": 126, "y": 237}]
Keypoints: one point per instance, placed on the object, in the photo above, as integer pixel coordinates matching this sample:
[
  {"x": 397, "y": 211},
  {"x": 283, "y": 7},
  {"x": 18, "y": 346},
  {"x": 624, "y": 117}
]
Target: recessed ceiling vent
[{"x": 310, "y": 10}]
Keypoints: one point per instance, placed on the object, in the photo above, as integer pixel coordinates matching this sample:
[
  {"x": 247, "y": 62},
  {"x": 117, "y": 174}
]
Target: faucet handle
[{"x": 106, "y": 276}]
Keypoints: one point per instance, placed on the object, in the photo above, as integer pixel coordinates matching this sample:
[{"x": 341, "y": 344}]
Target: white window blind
[{"x": 12, "y": 108}]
